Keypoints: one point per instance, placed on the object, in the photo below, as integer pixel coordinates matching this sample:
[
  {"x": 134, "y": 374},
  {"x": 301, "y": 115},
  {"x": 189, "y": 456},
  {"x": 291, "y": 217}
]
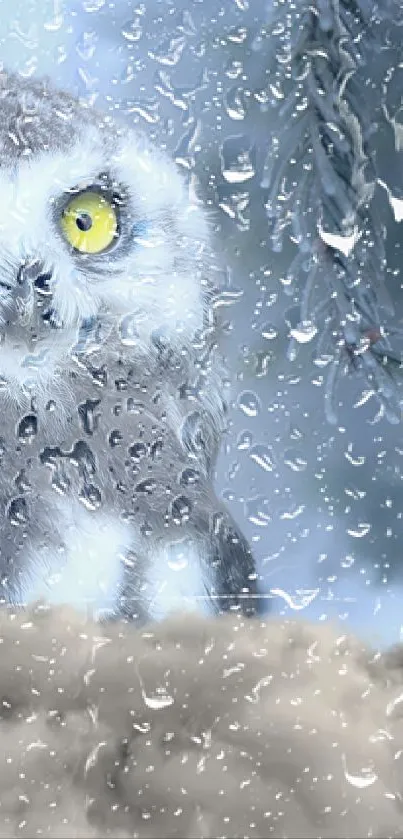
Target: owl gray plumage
[{"x": 110, "y": 383}]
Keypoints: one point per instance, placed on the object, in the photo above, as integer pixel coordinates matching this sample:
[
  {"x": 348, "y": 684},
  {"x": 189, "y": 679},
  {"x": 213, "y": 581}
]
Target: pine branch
[{"x": 320, "y": 175}]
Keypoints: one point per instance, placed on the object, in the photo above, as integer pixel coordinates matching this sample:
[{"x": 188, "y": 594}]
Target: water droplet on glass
[
  {"x": 28, "y": 428},
  {"x": 158, "y": 701},
  {"x": 184, "y": 151},
  {"x": 115, "y": 438},
  {"x": 192, "y": 431},
  {"x": 128, "y": 331},
  {"x": 299, "y": 600},
  {"x": 269, "y": 331},
  {"x": 93, "y": 5},
  {"x": 91, "y": 497},
  {"x": 86, "y": 46},
  {"x": 189, "y": 477},
  {"x": 178, "y": 564},
  {"x": 134, "y": 406},
  {"x": 99, "y": 376},
  {"x": 296, "y": 433},
  {"x": 249, "y": 403},
  {"x": 365, "y": 779},
  {"x": 179, "y": 95},
  {"x": 55, "y": 23},
  {"x": 132, "y": 30},
  {"x": 225, "y": 297},
  {"x": 358, "y": 460},
  {"x": 234, "y": 69},
  {"x": 304, "y": 332},
  {"x": 17, "y": 511},
  {"x": 60, "y": 482},
  {"x": 147, "y": 109},
  {"x": 237, "y": 160},
  {"x": 83, "y": 457},
  {"x": 235, "y": 103},
  {"x": 244, "y": 441},
  {"x": 22, "y": 482},
  {"x": 323, "y": 360},
  {"x": 180, "y": 509},
  {"x": 49, "y": 457},
  {"x": 263, "y": 360},
  {"x": 169, "y": 51},
  {"x": 295, "y": 460},
  {"x": 360, "y": 531},
  {"x": 146, "y": 487},
  {"x": 185, "y": 23},
  {"x": 292, "y": 513},
  {"x": 156, "y": 449},
  {"x": 237, "y": 34},
  {"x": 217, "y": 523},
  {"x": 257, "y": 511},
  {"x": 137, "y": 451},
  {"x": 236, "y": 206},
  {"x": 263, "y": 456},
  {"x": 88, "y": 416}
]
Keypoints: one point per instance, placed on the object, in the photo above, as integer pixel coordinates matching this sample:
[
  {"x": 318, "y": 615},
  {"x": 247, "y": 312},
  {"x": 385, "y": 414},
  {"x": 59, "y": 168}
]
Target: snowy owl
[{"x": 111, "y": 393}]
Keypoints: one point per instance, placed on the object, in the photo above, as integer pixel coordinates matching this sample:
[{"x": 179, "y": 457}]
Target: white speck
[
  {"x": 395, "y": 203},
  {"x": 300, "y": 600},
  {"x": 361, "y": 530},
  {"x": 345, "y": 244},
  {"x": 157, "y": 702},
  {"x": 304, "y": 332},
  {"x": 360, "y": 781},
  {"x": 391, "y": 706},
  {"x": 160, "y": 698}
]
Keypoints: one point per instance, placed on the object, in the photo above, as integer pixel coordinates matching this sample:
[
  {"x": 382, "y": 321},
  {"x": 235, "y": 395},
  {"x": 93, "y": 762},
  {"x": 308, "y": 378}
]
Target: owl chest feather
[{"x": 113, "y": 475}]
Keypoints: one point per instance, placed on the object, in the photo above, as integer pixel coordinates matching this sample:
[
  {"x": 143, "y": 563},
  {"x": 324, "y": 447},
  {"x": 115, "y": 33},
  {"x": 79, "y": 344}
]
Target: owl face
[{"x": 97, "y": 236}]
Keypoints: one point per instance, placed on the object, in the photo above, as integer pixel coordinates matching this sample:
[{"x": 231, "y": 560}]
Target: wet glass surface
[{"x": 274, "y": 481}]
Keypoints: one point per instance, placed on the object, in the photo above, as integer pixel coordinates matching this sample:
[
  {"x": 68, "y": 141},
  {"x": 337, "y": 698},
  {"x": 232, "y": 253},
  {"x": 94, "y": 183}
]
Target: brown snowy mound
[{"x": 196, "y": 728}]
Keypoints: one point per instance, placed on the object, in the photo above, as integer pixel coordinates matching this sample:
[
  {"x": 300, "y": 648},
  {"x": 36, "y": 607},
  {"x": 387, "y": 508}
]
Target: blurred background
[{"x": 322, "y": 505}]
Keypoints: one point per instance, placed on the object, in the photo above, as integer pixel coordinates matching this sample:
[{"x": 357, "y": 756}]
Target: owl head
[{"x": 99, "y": 240}]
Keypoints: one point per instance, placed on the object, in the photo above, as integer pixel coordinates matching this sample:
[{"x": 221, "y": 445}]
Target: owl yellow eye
[{"x": 89, "y": 222}]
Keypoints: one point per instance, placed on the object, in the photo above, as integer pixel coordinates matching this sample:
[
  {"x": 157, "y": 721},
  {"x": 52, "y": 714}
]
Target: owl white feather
[{"x": 110, "y": 385}]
